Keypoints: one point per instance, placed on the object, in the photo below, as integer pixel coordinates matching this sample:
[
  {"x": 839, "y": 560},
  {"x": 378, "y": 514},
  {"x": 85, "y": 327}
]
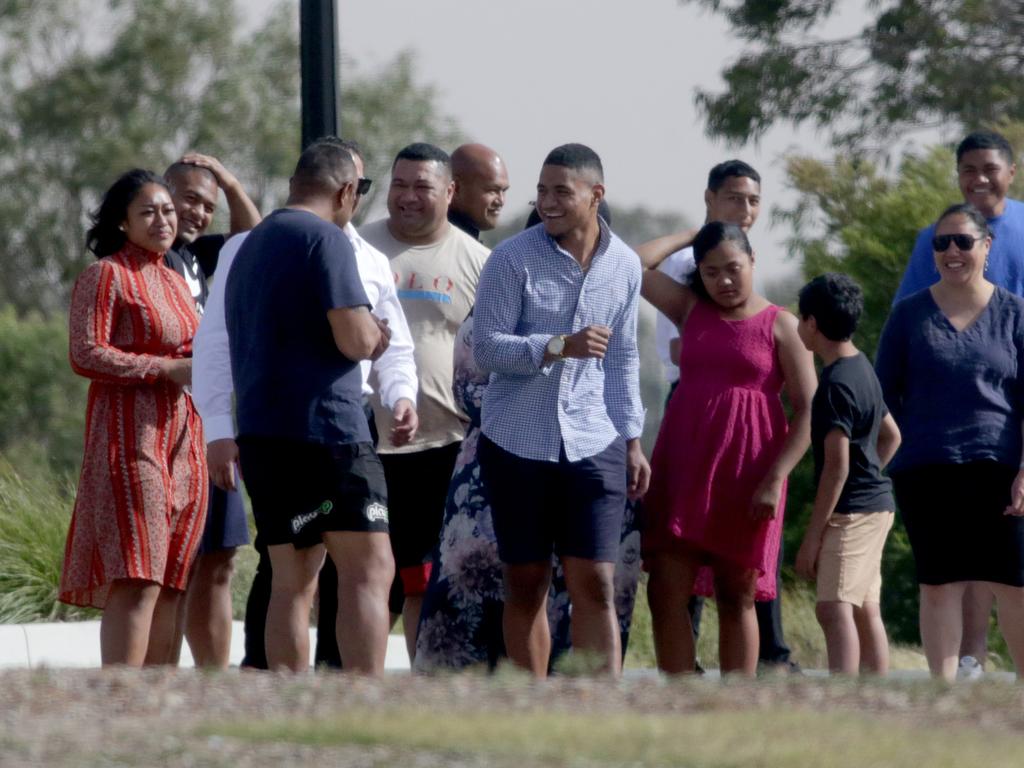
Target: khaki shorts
[{"x": 850, "y": 562}]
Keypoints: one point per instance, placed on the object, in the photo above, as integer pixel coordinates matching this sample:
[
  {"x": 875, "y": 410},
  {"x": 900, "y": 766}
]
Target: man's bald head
[{"x": 481, "y": 181}]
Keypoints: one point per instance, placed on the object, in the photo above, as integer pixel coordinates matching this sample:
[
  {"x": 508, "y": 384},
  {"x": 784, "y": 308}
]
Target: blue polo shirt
[
  {"x": 1005, "y": 259},
  {"x": 290, "y": 378}
]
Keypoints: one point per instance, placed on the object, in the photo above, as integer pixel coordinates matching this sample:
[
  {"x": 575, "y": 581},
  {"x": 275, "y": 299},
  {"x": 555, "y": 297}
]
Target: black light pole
[{"x": 318, "y": 52}]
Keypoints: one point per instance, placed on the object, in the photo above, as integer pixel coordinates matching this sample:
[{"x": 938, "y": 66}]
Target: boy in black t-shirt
[{"x": 853, "y": 437}]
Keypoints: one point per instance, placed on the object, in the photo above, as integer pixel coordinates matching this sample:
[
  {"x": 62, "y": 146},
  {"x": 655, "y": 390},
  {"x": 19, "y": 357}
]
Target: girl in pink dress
[{"x": 713, "y": 514}]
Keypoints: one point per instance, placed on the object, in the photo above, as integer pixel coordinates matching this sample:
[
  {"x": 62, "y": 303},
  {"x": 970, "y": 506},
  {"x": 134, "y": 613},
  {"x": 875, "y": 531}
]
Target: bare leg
[
  {"x": 411, "y": 609},
  {"x": 292, "y": 589},
  {"x": 525, "y": 618},
  {"x": 209, "y": 612},
  {"x": 366, "y": 568},
  {"x": 1010, "y": 601},
  {"x": 124, "y": 629},
  {"x": 841, "y": 639},
  {"x": 738, "y": 638},
  {"x": 874, "y": 644},
  {"x": 163, "y": 631},
  {"x": 669, "y": 588},
  {"x": 594, "y": 625},
  {"x": 977, "y": 610},
  {"x": 942, "y": 627}
]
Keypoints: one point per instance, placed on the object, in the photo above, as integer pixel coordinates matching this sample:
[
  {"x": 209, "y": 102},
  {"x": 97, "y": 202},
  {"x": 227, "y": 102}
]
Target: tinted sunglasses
[
  {"x": 363, "y": 186},
  {"x": 964, "y": 242}
]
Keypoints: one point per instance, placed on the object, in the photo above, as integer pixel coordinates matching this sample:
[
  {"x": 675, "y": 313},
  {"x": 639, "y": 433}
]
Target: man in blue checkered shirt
[{"x": 555, "y": 323}]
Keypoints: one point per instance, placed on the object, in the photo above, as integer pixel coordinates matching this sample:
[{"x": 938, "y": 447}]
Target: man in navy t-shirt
[{"x": 299, "y": 323}]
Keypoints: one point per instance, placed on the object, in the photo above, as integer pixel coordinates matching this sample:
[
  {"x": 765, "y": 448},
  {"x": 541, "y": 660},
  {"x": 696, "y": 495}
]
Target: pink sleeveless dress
[{"x": 723, "y": 429}]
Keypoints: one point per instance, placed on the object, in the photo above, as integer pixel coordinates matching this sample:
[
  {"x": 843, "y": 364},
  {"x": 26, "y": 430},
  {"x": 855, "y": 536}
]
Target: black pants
[{"x": 327, "y": 653}]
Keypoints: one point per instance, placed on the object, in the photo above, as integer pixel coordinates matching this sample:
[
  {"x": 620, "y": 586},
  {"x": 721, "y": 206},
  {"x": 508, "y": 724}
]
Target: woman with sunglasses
[{"x": 951, "y": 365}]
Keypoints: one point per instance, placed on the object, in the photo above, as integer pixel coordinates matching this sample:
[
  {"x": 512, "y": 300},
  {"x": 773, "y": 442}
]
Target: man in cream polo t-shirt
[{"x": 437, "y": 268}]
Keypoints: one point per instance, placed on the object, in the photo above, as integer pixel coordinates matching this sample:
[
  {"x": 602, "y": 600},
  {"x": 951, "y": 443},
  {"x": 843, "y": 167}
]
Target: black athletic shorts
[
  {"x": 301, "y": 490},
  {"x": 417, "y": 488}
]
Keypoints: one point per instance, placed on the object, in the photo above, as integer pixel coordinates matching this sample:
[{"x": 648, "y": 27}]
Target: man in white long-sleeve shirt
[{"x": 394, "y": 372}]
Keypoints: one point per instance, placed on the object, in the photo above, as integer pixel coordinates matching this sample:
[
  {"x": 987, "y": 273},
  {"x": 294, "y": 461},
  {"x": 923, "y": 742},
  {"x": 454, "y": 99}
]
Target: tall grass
[{"x": 35, "y": 509}]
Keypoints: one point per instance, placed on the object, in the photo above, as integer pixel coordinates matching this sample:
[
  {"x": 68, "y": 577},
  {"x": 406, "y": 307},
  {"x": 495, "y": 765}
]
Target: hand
[
  {"x": 765, "y": 503},
  {"x": 385, "y": 338},
  {"x": 591, "y": 341},
  {"x": 225, "y": 179},
  {"x": 1016, "y": 507},
  {"x": 406, "y": 422},
  {"x": 807, "y": 557},
  {"x": 638, "y": 471},
  {"x": 177, "y": 370},
  {"x": 222, "y": 458}
]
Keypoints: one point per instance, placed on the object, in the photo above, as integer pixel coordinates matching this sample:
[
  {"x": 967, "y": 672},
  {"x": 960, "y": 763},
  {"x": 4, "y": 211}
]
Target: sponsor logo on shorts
[
  {"x": 301, "y": 521},
  {"x": 377, "y": 512}
]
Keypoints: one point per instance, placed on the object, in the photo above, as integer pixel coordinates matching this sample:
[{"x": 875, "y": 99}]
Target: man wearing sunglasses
[
  {"x": 985, "y": 169},
  {"x": 395, "y": 372}
]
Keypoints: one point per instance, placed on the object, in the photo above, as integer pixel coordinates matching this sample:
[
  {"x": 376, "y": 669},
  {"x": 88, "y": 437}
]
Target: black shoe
[{"x": 786, "y": 667}]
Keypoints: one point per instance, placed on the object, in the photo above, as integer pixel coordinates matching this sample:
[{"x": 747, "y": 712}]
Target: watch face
[{"x": 556, "y": 345}]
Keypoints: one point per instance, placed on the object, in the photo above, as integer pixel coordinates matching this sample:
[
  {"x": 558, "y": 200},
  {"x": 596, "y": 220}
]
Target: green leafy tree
[
  {"x": 918, "y": 63},
  {"x": 88, "y": 90}
]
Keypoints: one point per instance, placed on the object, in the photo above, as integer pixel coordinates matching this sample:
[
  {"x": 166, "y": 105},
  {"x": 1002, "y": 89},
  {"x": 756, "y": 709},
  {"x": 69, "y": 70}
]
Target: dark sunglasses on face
[
  {"x": 363, "y": 186},
  {"x": 964, "y": 242}
]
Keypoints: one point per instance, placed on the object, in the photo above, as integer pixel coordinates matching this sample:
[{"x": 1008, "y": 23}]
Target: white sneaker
[{"x": 970, "y": 669}]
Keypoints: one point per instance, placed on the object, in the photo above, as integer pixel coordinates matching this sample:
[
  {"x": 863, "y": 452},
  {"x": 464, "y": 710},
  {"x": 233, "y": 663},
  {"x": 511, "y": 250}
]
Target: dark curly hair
[
  {"x": 712, "y": 235},
  {"x": 105, "y": 236},
  {"x": 835, "y": 302}
]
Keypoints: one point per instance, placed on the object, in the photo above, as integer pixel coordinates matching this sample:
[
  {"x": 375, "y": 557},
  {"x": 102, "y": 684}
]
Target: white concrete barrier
[{"x": 77, "y": 644}]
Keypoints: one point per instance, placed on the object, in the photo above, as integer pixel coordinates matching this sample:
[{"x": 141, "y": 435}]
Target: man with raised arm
[{"x": 195, "y": 182}]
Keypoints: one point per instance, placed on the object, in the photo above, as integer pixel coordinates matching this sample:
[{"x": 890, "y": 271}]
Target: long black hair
[
  {"x": 712, "y": 235},
  {"x": 105, "y": 236}
]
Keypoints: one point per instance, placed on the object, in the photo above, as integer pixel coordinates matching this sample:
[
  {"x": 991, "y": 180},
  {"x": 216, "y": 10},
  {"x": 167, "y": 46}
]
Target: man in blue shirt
[
  {"x": 298, "y": 324},
  {"x": 985, "y": 168},
  {"x": 555, "y": 322}
]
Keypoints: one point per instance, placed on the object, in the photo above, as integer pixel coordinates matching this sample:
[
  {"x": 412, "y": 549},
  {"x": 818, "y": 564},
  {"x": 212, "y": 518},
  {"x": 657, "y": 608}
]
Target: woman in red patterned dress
[{"x": 141, "y": 500}]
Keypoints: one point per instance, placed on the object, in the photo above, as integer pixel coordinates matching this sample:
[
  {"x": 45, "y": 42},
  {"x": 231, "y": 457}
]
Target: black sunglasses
[
  {"x": 964, "y": 242},
  {"x": 363, "y": 186}
]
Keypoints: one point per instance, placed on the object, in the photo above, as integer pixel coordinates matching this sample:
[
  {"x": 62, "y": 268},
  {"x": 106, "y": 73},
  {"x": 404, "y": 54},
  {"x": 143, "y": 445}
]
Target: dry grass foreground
[{"x": 189, "y": 718}]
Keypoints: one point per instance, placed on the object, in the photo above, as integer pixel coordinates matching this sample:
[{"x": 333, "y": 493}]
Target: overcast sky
[{"x": 527, "y": 75}]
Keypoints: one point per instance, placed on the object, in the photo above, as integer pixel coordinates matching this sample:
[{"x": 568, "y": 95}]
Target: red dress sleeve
[{"x": 96, "y": 302}]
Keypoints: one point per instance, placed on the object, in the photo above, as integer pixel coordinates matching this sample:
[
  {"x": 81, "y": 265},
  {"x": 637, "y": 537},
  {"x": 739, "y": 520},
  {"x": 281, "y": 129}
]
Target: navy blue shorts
[
  {"x": 226, "y": 526},
  {"x": 572, "y": 508}
]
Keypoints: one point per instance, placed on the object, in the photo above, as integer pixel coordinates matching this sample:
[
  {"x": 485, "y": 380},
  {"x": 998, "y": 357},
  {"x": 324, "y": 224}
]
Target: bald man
[{"x": 481, "y": 181}]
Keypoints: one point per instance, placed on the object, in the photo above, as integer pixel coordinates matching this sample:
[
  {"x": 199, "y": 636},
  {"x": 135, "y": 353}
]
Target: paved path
[{"x": 77, "y": 644}]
